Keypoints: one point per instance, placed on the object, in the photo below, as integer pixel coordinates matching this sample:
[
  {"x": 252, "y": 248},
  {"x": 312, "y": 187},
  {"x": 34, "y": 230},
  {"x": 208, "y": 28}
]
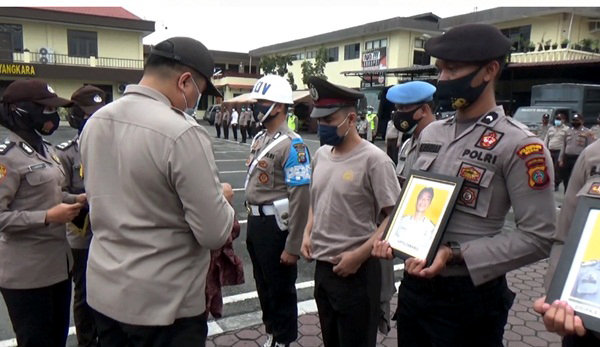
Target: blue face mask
[
  {"x": 328, "y": 134},
  {"x": 557, "y": 122}
]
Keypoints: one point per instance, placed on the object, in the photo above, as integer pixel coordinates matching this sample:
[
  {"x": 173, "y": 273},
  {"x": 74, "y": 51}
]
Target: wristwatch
[{"x": 456, "y": 253}]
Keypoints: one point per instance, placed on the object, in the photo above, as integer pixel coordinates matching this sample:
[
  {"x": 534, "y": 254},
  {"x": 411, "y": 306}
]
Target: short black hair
[{"x": 425, "y": 190}]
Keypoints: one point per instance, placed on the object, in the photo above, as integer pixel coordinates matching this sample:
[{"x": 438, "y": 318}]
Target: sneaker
[{"x": 269, "y": 342}]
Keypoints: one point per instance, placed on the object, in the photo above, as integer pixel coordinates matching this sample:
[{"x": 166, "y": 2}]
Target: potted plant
[
  {"x": 564, "y": 43},
  {"x": 540, "y": 46},
  {"x": 555, "y": 45},
  {"x": 596, "y": 46},
  {"x": 530, "y": 46},
  {"x": 547, "y": 45},
  {"x": 586, "y": 44}
]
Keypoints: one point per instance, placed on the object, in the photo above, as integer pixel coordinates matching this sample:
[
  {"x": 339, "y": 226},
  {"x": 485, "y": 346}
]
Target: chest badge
[
  {"x": 471, "y": 173},
  {"x": 263, "y": 178},
  {"x": 263, "y": 164},
  {"x": 2, "y": 172},
  {"x": 489, "y": 139}
]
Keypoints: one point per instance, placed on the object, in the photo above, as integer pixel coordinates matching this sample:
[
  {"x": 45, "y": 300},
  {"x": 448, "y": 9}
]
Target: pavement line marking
[
  {"x": 234, "y": 171},
  {"x": 223, "y": 152},
  {"x": 243, "y": 221},
  {"x": 218, "y": 160}
]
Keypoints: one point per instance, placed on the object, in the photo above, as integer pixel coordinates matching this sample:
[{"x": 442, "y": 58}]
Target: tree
[
  {"x": 291, "y": 81},
  {"x": 275, "y": 64},
  {"x": 317, "y": 69}
]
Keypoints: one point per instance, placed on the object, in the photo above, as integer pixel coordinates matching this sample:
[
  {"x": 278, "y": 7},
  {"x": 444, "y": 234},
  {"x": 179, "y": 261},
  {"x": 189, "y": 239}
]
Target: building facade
[{"x": 72, "y": 46}]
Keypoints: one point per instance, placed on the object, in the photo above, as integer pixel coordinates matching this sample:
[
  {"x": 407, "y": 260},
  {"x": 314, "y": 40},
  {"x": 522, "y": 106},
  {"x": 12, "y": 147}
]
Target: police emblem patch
[
  {"x": 532, "y": 148},
  {"x": 263, "y": 178},
  {"x": 2, "y": 172},
  {"x": 301, "y": 151},
  {"x": 314, "y": 94},
  {"x": 263, "y": 164},
  {"x": 537, "y": 170},
  {"x": 97, "y": 99},
  {"x": 50, "y": 89},
  {"x": 468, "y": 196},
  {"x": 594, "y": 189},
  {"x": 471, "y": 173},
  {"x": 489, "y": 139},
  {"x": 404, "y": 125}
]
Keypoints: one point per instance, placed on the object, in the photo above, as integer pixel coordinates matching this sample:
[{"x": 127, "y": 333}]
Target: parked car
[{"x": 210, "y": 114}]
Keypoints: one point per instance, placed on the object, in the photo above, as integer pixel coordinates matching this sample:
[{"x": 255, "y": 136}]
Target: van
[
  {"x": 211, "y": 112},
  {"x": 532, "y": 115}
]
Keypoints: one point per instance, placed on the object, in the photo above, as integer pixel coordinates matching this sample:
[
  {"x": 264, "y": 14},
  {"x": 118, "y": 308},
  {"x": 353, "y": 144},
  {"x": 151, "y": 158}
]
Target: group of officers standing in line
[{"x": 157, "y": 207}]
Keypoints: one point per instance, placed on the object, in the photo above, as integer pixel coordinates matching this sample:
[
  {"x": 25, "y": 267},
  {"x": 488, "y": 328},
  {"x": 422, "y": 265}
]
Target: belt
[{"x": 260, "y": 210}]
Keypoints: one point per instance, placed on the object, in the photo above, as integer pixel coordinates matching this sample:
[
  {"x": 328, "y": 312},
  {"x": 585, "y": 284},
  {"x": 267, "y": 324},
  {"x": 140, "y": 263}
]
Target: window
[
  {"x": 419, "y": 43},
  {"x": 519, "y": 36},
  {"x": 311, "y": 54},
  {"x": 298, "y": 56},
  {"x": 374, "y": 44},
  {"x": 351, "y": 51},
  {"x": 421, "y": 58},
  {"x": 12, "y": 35},
  {"x": 82, "y": 43},
  {"x": 333, "y": 54}
]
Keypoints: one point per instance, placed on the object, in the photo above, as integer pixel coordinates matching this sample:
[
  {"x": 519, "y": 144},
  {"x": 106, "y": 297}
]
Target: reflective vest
[
  {"x": 371, "y": 120},
  {"x": 292, "y": 120}
]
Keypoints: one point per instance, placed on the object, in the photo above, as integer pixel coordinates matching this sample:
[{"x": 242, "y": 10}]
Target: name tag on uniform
[
  {"x": 39, "y": 166},
  {"x": 429, "y": 148}
]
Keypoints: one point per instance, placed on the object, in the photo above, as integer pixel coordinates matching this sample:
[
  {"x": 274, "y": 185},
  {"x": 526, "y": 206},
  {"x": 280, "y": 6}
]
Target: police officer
[
  {"x": 34, "y": 253},
  {"x": 353, "y": 184},
  {"x": 157, "y": 204},
  {"x": 292, "y": 120},
  {"x": 543, "y": 131},
  {"x": 414, "y": 106},
  {"x": 218, "y": 121},
  {"x": 244, "y": 118},
  {"x": 462, "y": 298},
  {"x": 225, "y": 121},
  {"x": 559, "y": 317},
  {"x": 86, "y": 100},
  {"x": 373, "y": 122},
  {"x": 277, "y": 198},
  {"x": 554, "y": 141},
  {"x": 576, "y": 139}
]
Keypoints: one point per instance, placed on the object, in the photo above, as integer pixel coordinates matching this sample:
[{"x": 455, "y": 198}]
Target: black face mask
[
  {"x": 459, "y": 91},
  {"x": 404, "y": 121},
  {"x": 33, "y": 116},
  {"x": 77, "y": 118},
  {"x": 260, "y": 111},
  {"x": 576, "y": 124}
]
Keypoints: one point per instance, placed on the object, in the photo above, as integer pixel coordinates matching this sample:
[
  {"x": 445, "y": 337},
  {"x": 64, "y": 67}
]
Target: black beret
[
  {"x": 189, "y": 52},
  {"x": 469, "y": 43},
  {"x": 329, "y": 97},
  {"x": 89, "y": 98},
  {"x": 37, "y": 91}
]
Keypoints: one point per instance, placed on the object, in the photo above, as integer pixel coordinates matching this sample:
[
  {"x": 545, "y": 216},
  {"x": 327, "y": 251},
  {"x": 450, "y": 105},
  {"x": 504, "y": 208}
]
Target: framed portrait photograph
[
  {"x": 418, "y": 221},
  {"x": 577, "y": 276}
]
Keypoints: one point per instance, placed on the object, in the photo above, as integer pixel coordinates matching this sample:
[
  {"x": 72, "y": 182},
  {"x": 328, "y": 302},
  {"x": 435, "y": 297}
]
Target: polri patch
[
  {"x": 530, "y": 149},
  {"x": 430, "y": 148},
  {"x": 263, "y": 178},
  {"x": 301, "y": 151},
  {"x": 468, "y": 196},
  {"x": 471, "y": 173},
  {"x": 594, "y": 189},
  {"x": 262, "y": 164},
  {"x": 489, "y": 139},
  {"x": 537, "y": 170}
]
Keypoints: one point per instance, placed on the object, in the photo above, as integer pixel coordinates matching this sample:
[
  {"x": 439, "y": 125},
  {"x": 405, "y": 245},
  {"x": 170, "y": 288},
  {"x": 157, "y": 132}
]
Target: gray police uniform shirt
[
  {"x": 347, "y": 195},
  {"x": 575, "y": 141},
  {"x": 556, "y": 137},
  {"x": 284, "y": 172},
  {"x": 543, "y": 131},
  {"x": 503, "y": 165},
  {"x": 218, "y": 117},
  {"x": 156, "y": 207},
  {"x": 32, "y": 254},
  {"x": 68, "y": 153},
  {"x": 406, "y": 158},
  {"x": 596, "y": 131},
  {"x": 584, "y": 181}
]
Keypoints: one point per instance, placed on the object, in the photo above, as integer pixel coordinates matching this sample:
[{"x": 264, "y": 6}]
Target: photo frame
[
  {"x": 418, "y": 221},
  {"x": 577, "y": 276}
]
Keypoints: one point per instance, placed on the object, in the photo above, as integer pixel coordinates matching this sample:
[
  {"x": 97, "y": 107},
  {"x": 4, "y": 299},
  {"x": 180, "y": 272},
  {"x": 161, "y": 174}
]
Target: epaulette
[
  {"x": 65, "y": 145},
  {"x": 6, "y": 146},
  {"x": 524, "y": 128}
]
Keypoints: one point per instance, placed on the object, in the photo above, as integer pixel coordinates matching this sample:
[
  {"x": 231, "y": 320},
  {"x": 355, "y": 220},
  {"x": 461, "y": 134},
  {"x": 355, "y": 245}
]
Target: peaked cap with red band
[{"x": 329, "y": 97}]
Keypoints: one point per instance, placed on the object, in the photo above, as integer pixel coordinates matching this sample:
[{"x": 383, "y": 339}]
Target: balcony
[
  {"x": 553, "y": 55},
  {"x": 66, "y": 60}
]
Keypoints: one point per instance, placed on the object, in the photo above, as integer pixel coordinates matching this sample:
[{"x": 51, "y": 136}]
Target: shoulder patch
[
  {"x": 6, "y": 146},
  {"x": 297, "y": 169},
  {"x": 529, "y": 149},
  {"x": 537, "y": 170},
  {"x": 65, "y": 145},
  {"x": 26, "y": 148}
]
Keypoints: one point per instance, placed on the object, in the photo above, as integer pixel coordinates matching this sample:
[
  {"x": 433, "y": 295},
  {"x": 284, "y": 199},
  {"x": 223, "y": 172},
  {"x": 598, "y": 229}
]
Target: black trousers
[
  {"x": 40, "y": 316},
  {"x": 225, "y": 131},
  {"x": 554, "y": 153},
  {"x": 452, "y": 312},
  {"x": 244, "y": 132},
  {"x": 349, "y": 307},
  {"x": 392, "y": 151},
  {"x": 567, "y": 168},
  {"x": 587, "y": 340},
  {"x": 275, "y": 282},
  {"x": 218, "y": 127},
  {"x": 87, "y": 336},
  {"x": 184, "y": 332},
  {"x": 234, "y": 129}
]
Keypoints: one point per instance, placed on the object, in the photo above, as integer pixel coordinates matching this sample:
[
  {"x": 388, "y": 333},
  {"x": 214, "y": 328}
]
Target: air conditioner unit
[{"x": 46, "y": 55}]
